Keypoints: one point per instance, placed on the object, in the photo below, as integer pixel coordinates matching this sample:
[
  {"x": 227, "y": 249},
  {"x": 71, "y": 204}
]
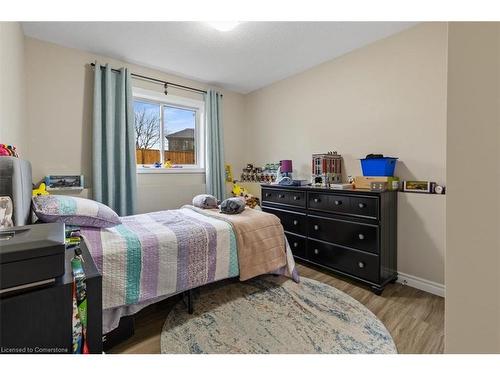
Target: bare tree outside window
[{"x": 147, "y": 132}]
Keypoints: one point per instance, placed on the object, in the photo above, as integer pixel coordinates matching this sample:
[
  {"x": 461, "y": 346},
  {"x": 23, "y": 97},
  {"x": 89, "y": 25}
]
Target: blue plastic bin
[{"x": 378, "y": 166}]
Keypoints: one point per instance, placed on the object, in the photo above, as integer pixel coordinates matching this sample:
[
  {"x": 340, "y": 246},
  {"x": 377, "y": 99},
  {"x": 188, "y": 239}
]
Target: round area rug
[{"x": 272, "y": 314}]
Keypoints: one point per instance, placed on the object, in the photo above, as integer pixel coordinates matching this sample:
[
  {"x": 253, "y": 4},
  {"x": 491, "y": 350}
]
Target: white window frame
[{"x": 179, "y": 102}]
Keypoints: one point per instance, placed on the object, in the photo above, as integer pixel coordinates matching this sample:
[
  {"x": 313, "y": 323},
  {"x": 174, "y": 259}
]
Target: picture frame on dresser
[{"x": 350, "y": 232}]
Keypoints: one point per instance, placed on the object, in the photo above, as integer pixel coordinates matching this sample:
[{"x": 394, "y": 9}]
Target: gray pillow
[
  {"x": 233, "y": 206},
  {"x": 205, "y": 201}
]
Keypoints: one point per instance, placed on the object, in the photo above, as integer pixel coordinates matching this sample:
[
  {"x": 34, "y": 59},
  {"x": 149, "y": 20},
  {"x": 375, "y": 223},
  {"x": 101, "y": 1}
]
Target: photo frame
[{"x": 419, "y": 186}]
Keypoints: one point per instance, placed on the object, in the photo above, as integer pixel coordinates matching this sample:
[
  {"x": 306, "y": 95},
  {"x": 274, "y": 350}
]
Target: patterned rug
[{"x": 274, "y": 315}]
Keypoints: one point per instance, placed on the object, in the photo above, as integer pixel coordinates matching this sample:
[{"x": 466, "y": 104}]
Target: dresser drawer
[
  {"x": 355, "y": 235},
  {"x": 292, "y": 198},
  {"x": 297, "y": 244},
  {"x": 364, "y": 206},
  {"x": 354, "y": 262},
  {"x": 292, "y": 221},
  {"x": 329, "y": 202}
]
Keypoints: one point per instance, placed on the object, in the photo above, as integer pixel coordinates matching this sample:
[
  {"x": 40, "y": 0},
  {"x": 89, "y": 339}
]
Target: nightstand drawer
[
  {"x": 364, "y": 206},
  {"x": 297, "y": 244},
  {"x": 297, "y": 198},
  {"x": 346, "y": 233},
  {"x": 354, "y": 262},
  {"x": 329, "y": 202},
  {"x": 292, "y": 221},
  {"x": 288, "y": 197}
]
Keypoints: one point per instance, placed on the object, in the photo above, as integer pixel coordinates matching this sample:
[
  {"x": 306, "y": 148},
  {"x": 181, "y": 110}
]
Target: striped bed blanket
[{"x": 163, "y": 253}]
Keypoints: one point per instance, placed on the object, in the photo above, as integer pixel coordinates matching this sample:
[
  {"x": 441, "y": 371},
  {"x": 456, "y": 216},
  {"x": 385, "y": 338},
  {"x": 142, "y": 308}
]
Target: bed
[{"x": 152, "y": 256}]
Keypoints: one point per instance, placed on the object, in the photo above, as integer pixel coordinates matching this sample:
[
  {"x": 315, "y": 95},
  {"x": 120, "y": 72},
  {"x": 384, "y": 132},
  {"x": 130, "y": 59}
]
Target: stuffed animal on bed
[
  {"x": 233, "y": 206},
  {"x": 205, "y": 201}
]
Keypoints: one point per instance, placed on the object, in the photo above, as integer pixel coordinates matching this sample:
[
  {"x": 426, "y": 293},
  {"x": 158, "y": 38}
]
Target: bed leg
[{"x": 190, "y": 301}]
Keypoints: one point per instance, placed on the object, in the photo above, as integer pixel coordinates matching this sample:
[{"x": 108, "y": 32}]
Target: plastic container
[{"x": 378, "y": 166}]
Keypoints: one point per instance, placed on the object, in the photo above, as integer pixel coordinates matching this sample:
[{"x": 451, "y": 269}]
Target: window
[{"x": 169, "y": 131}]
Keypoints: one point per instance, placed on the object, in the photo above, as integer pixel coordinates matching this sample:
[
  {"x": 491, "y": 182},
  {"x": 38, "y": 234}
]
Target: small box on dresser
[{"x": 351, "y": 232}]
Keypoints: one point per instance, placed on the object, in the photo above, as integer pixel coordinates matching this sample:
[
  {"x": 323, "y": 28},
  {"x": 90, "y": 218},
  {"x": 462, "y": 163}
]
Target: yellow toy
[
  {"x": 167, "y": 164},
  {"x": 228, "y": 172},
  {"x": 239, "y": 191},
  {"x": 41, "y": 190}
]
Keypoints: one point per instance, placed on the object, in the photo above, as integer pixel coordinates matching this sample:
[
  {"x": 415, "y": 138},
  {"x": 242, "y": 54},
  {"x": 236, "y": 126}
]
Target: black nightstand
[{"x": 40, "y": 320}]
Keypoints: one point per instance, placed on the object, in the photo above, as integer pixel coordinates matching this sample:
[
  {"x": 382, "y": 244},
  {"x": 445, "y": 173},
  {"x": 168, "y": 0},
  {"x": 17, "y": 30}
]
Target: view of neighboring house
[{"x": 182, "y": 140}]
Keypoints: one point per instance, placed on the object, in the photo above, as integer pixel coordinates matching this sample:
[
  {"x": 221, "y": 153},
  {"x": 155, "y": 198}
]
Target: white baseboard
[{"x": 422, "y": 284}]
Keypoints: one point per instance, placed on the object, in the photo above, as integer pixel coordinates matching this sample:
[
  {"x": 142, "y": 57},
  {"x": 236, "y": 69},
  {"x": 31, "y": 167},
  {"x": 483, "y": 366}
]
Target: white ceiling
[{"x": 251, "y": 56}]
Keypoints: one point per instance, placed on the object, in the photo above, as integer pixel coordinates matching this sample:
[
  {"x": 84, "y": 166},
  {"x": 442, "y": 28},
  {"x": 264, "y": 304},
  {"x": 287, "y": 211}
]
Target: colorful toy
[
  {"x": 258, "y": 174},
  {"x": 41, "y": 190},
  {"x": 238, "y": 190},
  {"x": 250, "y": 200},
  {"x": 8, "y": 150},
  {"x": 168, "y": 164},
  {"x": 157, "y": 164},
  {"x": 326, "y": 169},
  {"x": 228, "y": 173}
]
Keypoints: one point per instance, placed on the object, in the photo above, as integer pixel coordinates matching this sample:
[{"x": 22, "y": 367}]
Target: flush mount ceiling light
[{"x": 224, "y": 25}]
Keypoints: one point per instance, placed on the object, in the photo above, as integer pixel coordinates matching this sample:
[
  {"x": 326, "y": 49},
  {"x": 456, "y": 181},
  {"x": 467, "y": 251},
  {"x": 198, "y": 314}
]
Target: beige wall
[
  {"x": 12, "y": 86},
  {"x": 388, "y": 97},
  {"x": 60, "y": 113},
  {"x": 472, "y": 310}
]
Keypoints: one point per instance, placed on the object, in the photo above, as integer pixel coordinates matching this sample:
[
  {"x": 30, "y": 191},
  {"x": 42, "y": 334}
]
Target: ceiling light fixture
[{"x": 224, "y": 25}]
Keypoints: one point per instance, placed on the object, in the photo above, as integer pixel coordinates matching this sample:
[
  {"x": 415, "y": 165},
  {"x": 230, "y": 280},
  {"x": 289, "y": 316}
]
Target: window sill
[{"x": 142, "y": 170}]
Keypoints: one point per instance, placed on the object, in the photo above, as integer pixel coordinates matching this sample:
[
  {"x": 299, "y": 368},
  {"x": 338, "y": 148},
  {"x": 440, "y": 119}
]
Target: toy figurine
[
  {"x": 157, "y": 164},
  {"x": 168, "y": 164},
  {"x": 8, "y": 150},
  {"x": 239, "y": 191},
  {"x": 228, "y": 171},
  {"x": 41, "y": 190}
]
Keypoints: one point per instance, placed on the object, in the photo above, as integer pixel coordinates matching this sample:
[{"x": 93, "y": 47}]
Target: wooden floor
[{"x": 414, "y": 318}]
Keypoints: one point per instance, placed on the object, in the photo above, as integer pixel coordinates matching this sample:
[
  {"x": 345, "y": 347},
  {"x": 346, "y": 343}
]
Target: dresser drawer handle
[
  {"x": 316, "y": 227},
  {"x": 338, "y": 203},
  {"x": 296, "y": 198},
  {"x": 295, "y": 222},
  {"x": 361, "y": 264},
  {"x": 361, "y": 236},
  {"x": 268, "y": 195},
  {"x": 316, "y": 251},
  {"x": 316, "y": 200},
  {"x": 281, "y": 196},
  {"x": 361, "y": 205},
  {"x": 295, "y": 244}
]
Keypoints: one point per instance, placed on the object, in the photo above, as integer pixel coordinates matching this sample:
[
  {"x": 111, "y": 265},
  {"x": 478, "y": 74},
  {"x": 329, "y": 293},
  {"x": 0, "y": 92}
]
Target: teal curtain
[
  {"x": 215, "y": 145},
  {"x": 113, "y": 146}
]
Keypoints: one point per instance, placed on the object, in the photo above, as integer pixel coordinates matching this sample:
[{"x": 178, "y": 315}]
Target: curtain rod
[{"x": 159, "y": 81}]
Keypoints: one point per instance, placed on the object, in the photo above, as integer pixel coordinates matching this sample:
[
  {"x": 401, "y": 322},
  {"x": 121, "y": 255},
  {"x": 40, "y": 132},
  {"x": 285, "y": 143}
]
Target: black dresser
[{"x": 350, "y": 232}]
